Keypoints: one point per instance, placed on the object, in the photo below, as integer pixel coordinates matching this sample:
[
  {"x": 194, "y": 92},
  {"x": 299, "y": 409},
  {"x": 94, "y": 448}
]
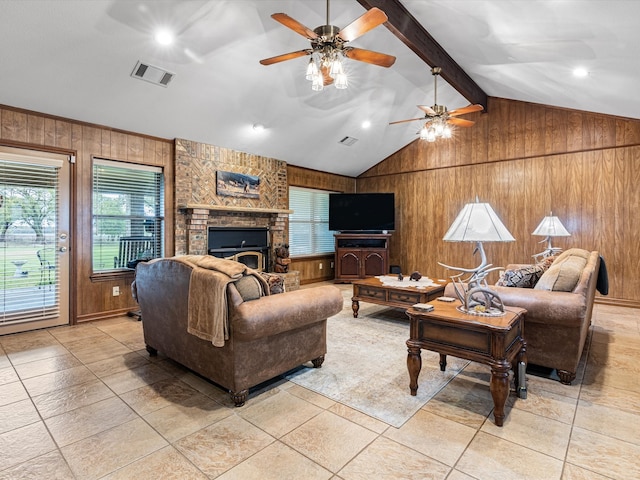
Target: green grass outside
[
  {"x": 26, "y": 253},
  {"x": 105, "y": 254}
]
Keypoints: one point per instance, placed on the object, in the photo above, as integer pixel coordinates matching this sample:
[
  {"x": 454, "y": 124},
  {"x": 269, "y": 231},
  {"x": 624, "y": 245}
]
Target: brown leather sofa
[
  {"x": 557, "y": 322},
  {"x": 267, "y": 336}
]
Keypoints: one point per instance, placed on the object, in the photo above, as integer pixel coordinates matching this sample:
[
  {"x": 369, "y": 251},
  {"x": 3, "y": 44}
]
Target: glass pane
[
  {"x": 128, "y": 222},
  {"x": 309, "y": 224},
  {"x": 300, "y": 239},
  {"x": 324, "y": 240},
  {"x": 28, "y": 223}
]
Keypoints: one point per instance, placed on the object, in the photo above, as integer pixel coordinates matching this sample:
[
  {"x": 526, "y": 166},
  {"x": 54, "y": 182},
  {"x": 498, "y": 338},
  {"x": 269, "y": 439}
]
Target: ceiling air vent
[
  {"x": 152, "y": 74},
  {"x": 348, "y": 141}
]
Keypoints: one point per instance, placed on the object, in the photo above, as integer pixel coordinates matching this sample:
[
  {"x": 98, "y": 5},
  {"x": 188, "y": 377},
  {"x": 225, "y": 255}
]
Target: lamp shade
[
  {"x": 551, "y": 226},
  {"x": 477, "y": 222}
]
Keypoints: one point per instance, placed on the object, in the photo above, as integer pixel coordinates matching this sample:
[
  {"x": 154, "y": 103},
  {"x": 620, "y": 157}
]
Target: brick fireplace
[{"x": 198, "y": 206}]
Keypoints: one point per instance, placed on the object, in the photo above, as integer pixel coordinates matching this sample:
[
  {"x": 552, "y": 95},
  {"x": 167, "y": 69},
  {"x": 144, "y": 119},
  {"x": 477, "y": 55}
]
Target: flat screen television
[{"x": 361, "y": 212}]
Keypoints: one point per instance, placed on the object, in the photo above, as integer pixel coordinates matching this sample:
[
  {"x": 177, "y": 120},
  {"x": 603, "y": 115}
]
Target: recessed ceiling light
[
  {"x": 164, "y": 37},
  {"x": 258, "y": 127},
  {"x": 580, "y": 72},
  {"x": 366, "y": 124}
]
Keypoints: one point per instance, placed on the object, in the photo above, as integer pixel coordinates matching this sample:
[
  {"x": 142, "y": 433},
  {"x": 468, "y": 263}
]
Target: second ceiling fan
[
  {"x": 438, "y": 118},
  {"x": 329, "y": 47}
]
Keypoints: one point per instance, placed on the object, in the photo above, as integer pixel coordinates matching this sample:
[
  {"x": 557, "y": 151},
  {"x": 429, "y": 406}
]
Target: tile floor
[{"x": 87, "y": 402}]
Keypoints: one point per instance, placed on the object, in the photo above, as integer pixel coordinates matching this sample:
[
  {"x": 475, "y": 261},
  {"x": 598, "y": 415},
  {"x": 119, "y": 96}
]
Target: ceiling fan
[
  {"x": 328, "y": 47},
  {"x": 438, "y": 118}
]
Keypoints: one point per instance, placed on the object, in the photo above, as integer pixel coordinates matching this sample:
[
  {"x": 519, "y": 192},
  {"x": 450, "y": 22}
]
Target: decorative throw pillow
[
  {"x": 525, "y": 277},
  {"x": 564, "y": 274},
  {"x": 275, "y": 282},
  {"x": 248, "y": 287}
]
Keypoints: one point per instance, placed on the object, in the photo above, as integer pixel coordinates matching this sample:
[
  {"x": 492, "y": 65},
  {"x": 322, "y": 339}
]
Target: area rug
[{"x": 366, "y": 365}]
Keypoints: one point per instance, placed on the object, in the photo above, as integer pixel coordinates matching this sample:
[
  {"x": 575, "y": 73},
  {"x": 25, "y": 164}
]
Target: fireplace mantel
[{"x": 233, "y": 208}]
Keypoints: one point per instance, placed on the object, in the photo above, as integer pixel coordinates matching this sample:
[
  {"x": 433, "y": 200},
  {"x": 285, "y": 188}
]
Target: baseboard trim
[
  {"x": 104, "y": 315},
  {"x": 316, "y": 280},
  {"x": 617, "y": 302}
]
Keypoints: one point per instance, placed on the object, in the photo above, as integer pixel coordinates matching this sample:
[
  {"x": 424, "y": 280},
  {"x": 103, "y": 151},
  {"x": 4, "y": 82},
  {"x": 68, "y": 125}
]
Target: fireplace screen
[
  {"x": 255, "y": 260},
  {"x": 245, "y": 245}
]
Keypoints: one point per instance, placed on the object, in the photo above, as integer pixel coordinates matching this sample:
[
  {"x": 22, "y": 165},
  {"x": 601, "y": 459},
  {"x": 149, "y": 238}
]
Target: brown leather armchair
[{"x": 268, "y": 336}]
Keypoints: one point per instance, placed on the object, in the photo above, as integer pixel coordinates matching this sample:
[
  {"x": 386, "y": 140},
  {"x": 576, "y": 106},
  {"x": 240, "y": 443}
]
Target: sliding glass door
[{"x": 34, "y": 240}]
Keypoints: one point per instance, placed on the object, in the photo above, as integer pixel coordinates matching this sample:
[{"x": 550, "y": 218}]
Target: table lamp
[
  {"x": 478, "y": 223},
  {"x": 550, "y": 226}
]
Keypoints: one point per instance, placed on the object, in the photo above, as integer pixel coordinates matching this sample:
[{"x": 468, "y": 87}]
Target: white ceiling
[{"x": 73, "y": 58}]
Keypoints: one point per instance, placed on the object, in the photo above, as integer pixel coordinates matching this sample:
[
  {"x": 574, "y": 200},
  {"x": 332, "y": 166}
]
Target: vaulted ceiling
[{"x": 74, "y": 59}]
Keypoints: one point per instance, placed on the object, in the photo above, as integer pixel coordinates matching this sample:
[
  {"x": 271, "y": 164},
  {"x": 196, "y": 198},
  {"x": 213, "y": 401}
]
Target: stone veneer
[
  {"x": 291, "y": 280},
  {"x": 196, "y": 165}
]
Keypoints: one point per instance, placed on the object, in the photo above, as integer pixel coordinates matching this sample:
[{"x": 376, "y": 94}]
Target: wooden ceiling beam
[{"x": 404, "y": 26}]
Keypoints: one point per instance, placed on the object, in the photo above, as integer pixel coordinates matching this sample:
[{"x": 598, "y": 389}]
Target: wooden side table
[{"x": 494, "y": 341}]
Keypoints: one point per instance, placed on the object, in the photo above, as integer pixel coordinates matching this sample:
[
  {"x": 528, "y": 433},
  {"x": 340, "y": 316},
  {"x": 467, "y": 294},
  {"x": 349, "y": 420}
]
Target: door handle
[{"x": 62, "y": 249}]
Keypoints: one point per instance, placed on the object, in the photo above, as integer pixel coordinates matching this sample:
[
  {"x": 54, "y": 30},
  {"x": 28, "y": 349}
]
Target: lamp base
[
  {"x": 549, "y": 252},
  {"x": 478, "y": 300},
  {"x": 474, "y": 294}
]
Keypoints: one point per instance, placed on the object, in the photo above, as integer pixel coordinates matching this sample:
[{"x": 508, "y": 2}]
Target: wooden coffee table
[
  {"x": 372, "y": 290},
  {"x": 494, "y": 341}
]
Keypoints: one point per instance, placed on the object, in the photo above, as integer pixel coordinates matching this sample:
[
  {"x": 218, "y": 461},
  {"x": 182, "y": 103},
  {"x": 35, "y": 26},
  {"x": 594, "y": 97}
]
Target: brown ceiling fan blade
[
  {"x": 285, "y": 56},
  {"x": 460, "y": 122},
  {"x": 361, "y": 25},
  {"x": 408, "y": 120},
  {"x": 369, "y": 56},
  {"x": 428, "y": 110},
  {"x": 294, "y": 25},
  {"x": 464, "y": 110}
]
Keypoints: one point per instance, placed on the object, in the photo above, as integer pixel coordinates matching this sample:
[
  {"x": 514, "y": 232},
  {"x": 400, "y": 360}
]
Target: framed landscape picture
[{"x": 233, "y": 184}]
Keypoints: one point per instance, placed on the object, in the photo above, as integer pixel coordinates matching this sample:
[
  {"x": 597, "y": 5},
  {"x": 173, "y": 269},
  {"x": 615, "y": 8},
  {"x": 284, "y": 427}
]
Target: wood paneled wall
[
  {"x": 305, "y": 177},
  {"x": 310, "y": 267},
  {"x": 525, "y": 160},
  {"x": 91, "y": 299},
  {"x": 318, "y": 268}
]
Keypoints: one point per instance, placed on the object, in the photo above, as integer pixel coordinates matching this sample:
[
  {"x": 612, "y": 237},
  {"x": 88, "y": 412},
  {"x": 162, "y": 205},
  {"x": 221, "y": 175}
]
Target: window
[
  {"x": 309, "y": 232},
  {"x": 128, "y": 214}
]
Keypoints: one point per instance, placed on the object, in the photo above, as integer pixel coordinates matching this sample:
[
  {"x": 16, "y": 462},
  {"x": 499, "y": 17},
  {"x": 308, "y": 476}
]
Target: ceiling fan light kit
[
  {"x": 435, "y": 129},
  {"x": 328, "y": 48}
]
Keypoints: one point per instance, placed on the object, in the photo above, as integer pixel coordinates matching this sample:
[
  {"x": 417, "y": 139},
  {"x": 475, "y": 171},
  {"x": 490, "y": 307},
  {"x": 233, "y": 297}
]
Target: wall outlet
[
  {"x": 320, "y": 266},
  {"x": 331, "y": 265},
  {"x": 116, "y": 291}
]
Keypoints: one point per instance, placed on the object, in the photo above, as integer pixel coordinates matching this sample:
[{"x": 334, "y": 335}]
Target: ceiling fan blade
[
  {"x": 285, "y": 56},
  {"x": 294, "y": 25},
  {"x": 361, "y": 25},
  {"x": 408, "y": 120},
  {"x": 428, "y": 110},
  {"x": 460, "y": 122},
  {"x": 467, "y": 109},
  {"x": 369, "y": 56}
]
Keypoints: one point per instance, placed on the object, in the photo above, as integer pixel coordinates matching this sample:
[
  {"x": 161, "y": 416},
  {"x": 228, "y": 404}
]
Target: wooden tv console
[{"x": 361, "y": 255}]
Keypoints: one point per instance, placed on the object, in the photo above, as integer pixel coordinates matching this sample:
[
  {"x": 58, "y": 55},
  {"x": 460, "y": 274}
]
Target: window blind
[
  {"x": 29, "y": 204},
  {"x": 128, "y": 214},
  {"x": 309, "y": 232}
]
